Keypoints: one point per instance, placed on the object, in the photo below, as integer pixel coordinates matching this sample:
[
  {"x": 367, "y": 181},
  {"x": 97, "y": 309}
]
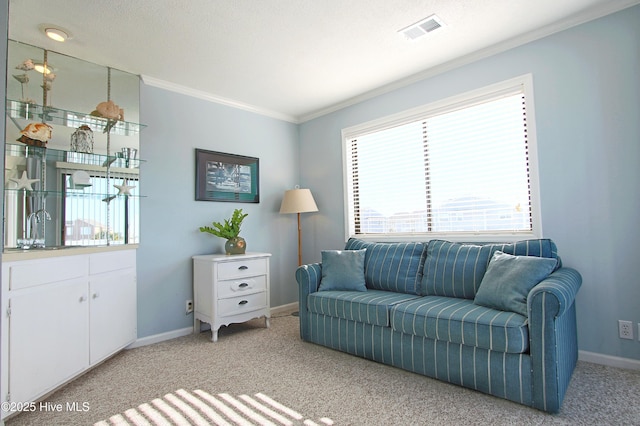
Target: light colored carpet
[{"x": 319, "y": 385}]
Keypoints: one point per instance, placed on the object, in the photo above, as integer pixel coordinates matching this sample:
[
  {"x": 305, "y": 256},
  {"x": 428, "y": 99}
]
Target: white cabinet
[
  {"x": 62, "y": 316},
  {"x": 113, "y": 306},
  {"x": 48, "y": 337},
  {"x": 230, "y": 289}
]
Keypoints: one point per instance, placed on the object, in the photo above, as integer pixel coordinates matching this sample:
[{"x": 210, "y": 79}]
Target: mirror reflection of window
[{"x": 88, "y": 223}]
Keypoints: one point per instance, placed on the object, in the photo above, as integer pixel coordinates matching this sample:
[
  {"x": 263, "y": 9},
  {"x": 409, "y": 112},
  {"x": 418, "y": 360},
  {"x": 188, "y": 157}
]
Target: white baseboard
[
  {"x": 284, "y": 308},
  {"x": 611, "y": 361},
  {"x": 157, "y": 338}
]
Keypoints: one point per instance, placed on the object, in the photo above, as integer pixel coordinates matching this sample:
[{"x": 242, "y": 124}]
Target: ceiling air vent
[{"x": 421, "y": 28}]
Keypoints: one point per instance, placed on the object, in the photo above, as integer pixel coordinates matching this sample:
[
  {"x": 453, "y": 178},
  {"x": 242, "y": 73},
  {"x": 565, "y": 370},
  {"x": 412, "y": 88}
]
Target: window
[{"x": 463, "y": 168}]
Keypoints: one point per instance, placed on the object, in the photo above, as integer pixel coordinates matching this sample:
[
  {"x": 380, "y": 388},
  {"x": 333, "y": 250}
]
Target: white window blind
[{"x": 458, "y": 169}]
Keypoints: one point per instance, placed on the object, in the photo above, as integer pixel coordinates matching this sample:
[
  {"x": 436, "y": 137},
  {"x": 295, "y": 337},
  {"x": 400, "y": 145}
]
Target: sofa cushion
[
  {"x": 509, "y": 279},
  {"x": 392, "y": 266},
  {"x": 461, "y": 321},
  {"x": 542, "y": 247},
  {"x": 454, "y": 269},
  {"x": 370, "y": 307},
  {"x": 343, "y": 270}
]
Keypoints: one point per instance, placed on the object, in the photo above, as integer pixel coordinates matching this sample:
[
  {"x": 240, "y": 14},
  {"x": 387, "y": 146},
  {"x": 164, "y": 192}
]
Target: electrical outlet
[
  {"x": 189, "y": 306},
  {"x": 625, "y": 329}
]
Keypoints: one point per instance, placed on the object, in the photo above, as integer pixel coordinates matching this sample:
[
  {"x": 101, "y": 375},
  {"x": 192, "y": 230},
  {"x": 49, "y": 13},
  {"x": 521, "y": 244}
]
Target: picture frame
[{"x": 227, "y": 177}]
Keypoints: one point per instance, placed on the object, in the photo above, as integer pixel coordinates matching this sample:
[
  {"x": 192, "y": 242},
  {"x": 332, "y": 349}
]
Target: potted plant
[{"x": 229, "y": 230}]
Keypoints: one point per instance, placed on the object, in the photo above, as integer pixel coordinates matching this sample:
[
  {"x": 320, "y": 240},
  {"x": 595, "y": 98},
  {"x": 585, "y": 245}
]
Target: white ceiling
[{"x": 291, "y": 59}]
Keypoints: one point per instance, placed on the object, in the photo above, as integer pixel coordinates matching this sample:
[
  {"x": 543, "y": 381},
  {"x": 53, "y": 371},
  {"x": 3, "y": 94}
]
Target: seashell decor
[{"x": 36, "y": 134}]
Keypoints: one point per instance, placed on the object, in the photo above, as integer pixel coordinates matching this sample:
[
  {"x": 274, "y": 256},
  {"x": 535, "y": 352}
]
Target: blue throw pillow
[
  {"x": 509, "y": 279},
  {"x": 343, "y": 270}
]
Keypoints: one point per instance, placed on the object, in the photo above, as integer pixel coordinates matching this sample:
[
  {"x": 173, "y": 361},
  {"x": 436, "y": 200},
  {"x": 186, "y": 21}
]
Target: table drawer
[
  {"x": 233, "y": 288},
  {"x": 242, "y": 268},
  {"x": 240, "y": 304}
]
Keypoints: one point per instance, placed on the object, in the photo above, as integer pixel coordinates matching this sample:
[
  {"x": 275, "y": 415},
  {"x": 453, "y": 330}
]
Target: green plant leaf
[{"x": 230, "y": 228}]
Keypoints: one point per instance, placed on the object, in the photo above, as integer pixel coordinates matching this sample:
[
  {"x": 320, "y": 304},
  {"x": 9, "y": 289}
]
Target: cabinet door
[
  {"x": 48, "y": 337},
  {"x": 112, "y": 312}
]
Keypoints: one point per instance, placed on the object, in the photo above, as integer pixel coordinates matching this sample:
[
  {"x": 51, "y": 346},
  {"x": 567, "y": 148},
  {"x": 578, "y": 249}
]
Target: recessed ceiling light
[
  {"x": 55, "y": 32},
  {"x": 422, "y": 28}
]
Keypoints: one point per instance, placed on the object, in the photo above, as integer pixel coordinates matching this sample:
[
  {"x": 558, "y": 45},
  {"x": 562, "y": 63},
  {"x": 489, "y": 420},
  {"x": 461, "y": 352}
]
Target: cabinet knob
[
  {"x": 96, "y": 295},
  {"x": 243, "y": 268},
  {"x": 243, "y": 302},
  {"x": 243, "y": 285},
  {"x": 82, "y": 299}
]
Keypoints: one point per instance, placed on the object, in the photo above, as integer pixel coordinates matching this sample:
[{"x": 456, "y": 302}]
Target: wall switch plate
[{"x": 625, "y": 329}]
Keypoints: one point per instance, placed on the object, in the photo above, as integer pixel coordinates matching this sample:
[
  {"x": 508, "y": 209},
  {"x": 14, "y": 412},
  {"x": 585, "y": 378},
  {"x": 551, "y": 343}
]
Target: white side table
[{"x": 230, "y": 289}]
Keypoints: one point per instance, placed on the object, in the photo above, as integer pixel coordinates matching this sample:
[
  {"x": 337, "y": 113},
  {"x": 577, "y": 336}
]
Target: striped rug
[{"x": 184, "y": 408}]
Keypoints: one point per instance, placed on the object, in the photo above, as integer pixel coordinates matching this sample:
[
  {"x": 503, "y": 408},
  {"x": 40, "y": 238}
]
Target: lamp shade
[{"x": 298, "y": 201}]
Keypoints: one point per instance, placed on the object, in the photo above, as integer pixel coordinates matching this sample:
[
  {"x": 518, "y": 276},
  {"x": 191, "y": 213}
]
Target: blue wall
[
  {"x": 587, "y": 106},
  {"x": 170, "y": 216}
]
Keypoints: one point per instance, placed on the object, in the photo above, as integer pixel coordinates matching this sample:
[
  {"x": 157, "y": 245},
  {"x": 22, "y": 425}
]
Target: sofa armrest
[
  {"x": 553, "y": 336},
  {"x": 308, "y": 278},
  {"x": 562, "y": 285}
]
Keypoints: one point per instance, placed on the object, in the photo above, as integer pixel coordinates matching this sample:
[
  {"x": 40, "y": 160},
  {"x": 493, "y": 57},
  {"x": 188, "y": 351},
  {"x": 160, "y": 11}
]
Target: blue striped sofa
[{"x": 418, "y": 314}]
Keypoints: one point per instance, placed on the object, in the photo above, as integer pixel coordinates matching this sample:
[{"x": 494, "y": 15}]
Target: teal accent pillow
[
  {"x": 509, "y": 279},
  {"x": 343, "y": 270}
]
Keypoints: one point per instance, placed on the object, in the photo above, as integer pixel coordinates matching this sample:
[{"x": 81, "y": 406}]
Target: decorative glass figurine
[
  {"x": 82, "y": 139},
  {"x": 26, "y": 66}
]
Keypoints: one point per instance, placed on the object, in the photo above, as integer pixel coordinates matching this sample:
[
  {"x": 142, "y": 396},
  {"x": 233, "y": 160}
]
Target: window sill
[{"x": 460, "y": 237}]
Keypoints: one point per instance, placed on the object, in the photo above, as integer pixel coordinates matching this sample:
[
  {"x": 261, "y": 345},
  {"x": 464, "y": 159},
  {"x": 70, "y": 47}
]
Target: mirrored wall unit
[{"x": 71, "y": 152}]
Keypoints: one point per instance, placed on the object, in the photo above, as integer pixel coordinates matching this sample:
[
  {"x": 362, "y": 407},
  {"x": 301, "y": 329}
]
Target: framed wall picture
[{"x": 227, "y": 177}]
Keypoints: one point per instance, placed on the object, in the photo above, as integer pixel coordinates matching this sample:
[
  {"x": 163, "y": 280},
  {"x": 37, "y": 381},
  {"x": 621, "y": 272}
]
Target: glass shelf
[
  {"x": 70, "y": 193},
  {"x": 35, "y": 112},
  {"x": 75, "y": 160}
]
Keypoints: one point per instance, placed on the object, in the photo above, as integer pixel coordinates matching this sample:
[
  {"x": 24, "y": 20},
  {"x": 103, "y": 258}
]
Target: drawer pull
[
  {"x": 243, "y": 285},
  {"x": 243, "y": 302},
  {"x": 243, "y": 268}
]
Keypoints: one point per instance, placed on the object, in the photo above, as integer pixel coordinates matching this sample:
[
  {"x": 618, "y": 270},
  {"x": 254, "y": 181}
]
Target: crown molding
[
  {"x": 570, "y": 22},
  {"x": 194, "y": 93}
]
